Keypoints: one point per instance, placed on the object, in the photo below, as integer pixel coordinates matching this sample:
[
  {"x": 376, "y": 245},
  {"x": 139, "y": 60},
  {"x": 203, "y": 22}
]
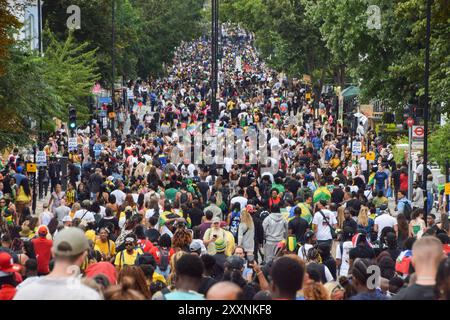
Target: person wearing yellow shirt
[
  {"x": 106, "y": 246},
  {"x": 335, "y": 162},
  {"x": 129, "y": 255},
  {"x": 23, "y": 198}
]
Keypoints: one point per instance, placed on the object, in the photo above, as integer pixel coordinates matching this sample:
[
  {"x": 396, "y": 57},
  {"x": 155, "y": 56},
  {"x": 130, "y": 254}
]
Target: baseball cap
[
  {"x": 7, "y": 265},
  {"x": 220, "y": 245},
  {"x": 195, "y": 246},
  {"x": 67, "y": 219},
  {"x": 234, "y": 262},
  {"x": 215, "y": 220},
  {"x": 42, "y": 230},
  {"x": 70, "y": 242},
  {"x": 383, "y": 207}
]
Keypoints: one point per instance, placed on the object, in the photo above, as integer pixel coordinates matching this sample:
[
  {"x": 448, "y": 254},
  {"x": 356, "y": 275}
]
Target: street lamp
[
  {"x": 214, "y": 53},
  {"x": 426, "y": 104}
]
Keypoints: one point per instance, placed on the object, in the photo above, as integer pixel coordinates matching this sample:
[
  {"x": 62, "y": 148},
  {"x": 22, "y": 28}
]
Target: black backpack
[
  {"x": 407, "y": 210},
  {"x": 184, "y": 197},
  {"x": 163, "y": 259}
]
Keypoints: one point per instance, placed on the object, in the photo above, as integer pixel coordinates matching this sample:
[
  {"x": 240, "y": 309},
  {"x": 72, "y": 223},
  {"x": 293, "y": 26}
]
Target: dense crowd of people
[{"x": 310, "y": 222}]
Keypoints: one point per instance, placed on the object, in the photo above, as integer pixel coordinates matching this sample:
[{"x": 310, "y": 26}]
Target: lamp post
[
  {"x": 426, "y": 104},
  {"x": 214, "y": 52},
  {"x": 113, "y": 62}
]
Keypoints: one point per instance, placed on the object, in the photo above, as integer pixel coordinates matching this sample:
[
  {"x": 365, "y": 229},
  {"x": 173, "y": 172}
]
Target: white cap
[{"x": 67, "y": 219}]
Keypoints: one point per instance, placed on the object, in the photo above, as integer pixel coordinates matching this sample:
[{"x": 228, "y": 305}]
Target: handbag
[{"x": 332, "y": 230}]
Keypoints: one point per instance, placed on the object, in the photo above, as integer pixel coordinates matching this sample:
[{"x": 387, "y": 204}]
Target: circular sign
[
  {"x": 410, "y": 122},
  {"x": 419, "y": 131}
]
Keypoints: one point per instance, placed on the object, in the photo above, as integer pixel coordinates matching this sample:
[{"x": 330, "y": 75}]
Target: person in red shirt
[
  {"x": 164, "y": 245},
  {"x": 42, "y": 248},
  {"x": 142, "y": 241},
  {"x": 403, "y": 180},
  {"x": 8, "y": 276}
]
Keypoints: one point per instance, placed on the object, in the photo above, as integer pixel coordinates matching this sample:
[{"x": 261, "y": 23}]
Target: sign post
[{"x": 410, "y": 123}]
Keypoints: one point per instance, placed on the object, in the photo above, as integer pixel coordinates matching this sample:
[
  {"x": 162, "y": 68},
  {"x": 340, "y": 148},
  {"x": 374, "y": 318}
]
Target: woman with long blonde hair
[
  {"x": 246, "y": 232},
  {"x": 364, "y": 221}
]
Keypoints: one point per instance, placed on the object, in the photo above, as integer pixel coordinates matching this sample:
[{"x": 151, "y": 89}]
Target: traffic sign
[
  {"x": 410, "y": 122},
  {"x": 418, "y": 133},
  {"x": 357, "y": 147},
  {"x": 105, "y": 100},
  {"x": 41, "y": 158},
  {"x": 72, "y": 144},
  {"x": 31, "y": 167}
]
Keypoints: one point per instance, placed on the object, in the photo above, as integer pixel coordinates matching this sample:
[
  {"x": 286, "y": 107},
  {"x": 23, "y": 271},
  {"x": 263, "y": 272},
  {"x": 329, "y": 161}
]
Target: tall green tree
[{"x": 36, "y": 89}]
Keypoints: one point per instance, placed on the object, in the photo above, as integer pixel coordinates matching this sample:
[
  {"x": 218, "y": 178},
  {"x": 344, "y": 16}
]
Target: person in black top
[
  {"x": 298, "y": 226},
  {"x": 349, "y": 221},
  {"x": 396, "y": 180},
  {"x": 426, "y": 256},
  {"x": 362, "y": 250},
  {"x": 195, "y": 213},
  {"x": 293, "y": 184},
  {"x": 354, "y": 204},
  {"x": 327, "y": 258},
  {"x": 337, "y": 196}
]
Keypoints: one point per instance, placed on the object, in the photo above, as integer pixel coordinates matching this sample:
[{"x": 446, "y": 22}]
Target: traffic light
[{"x": 72, "y": 118}]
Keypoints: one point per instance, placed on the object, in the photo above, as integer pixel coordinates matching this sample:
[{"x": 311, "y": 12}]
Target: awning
[{"x": 350, "y": 92}]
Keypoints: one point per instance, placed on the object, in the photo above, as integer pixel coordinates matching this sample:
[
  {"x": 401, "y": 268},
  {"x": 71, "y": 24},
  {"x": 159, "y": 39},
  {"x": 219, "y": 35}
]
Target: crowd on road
[{"x": 140, "y": 219}]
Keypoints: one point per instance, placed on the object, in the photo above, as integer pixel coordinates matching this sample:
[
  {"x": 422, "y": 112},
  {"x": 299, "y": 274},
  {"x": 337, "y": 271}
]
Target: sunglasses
[{"x": 128, "y": 244}]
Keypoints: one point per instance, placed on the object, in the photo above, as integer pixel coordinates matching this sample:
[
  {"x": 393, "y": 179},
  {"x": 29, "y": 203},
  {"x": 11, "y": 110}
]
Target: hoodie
[{"x": 275, "y": 227}]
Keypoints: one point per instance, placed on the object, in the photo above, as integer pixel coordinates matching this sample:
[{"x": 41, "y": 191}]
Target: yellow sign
[
  {"x": 31, "y": 167},
  {"x": 308, "y": 96},
  {"x": 370, "y": 156},
  {"x": 447, "y": 189}
]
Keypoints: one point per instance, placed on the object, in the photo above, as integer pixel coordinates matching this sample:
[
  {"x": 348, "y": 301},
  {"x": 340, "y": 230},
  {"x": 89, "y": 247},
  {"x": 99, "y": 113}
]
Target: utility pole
[
  {"x": 33, "y": 206},
  {"x": 426, "y": 105},
  {"x": 113, "y": 62},
  {"x": 447, "y": 180},
  {"x": 214, "y": 52},
  {"x": 39, "y": 26}
]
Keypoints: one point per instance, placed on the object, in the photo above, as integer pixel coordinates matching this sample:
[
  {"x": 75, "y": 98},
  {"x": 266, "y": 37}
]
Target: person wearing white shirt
[
  {"x": 84, "y": 215},
  {"x": 323, "y": 219},
  {"x": 119, "y": 194},
  {"x": 46, "y": 215},
  {"x": 384, "y": 220},
  {"x": 343, "y": 252},
  {"x": 240, "y": 198}
]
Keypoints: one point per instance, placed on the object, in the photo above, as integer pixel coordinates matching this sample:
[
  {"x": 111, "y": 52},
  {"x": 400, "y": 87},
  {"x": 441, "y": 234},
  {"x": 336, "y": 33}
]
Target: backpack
[
  {"x": 264, "y": 214},
  {"x": 407, "y": 210},
  {"x": 184, "y": 197},
  {"x": 163, "y": 259}
]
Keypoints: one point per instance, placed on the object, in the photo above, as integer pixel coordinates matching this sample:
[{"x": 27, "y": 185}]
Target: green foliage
[
  {"x": 439, "y": 145},
  {"x": 146, "y": 31},
  {"x": 330, "y": 39},
  {"x": 36, "y": 88}
]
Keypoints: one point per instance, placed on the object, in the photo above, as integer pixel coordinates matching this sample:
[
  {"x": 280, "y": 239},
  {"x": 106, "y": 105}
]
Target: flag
[
  {"x": 322, "y": 193},
  {"x": 403, "y": 261},
  {"x": 371, "y": 178}
]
